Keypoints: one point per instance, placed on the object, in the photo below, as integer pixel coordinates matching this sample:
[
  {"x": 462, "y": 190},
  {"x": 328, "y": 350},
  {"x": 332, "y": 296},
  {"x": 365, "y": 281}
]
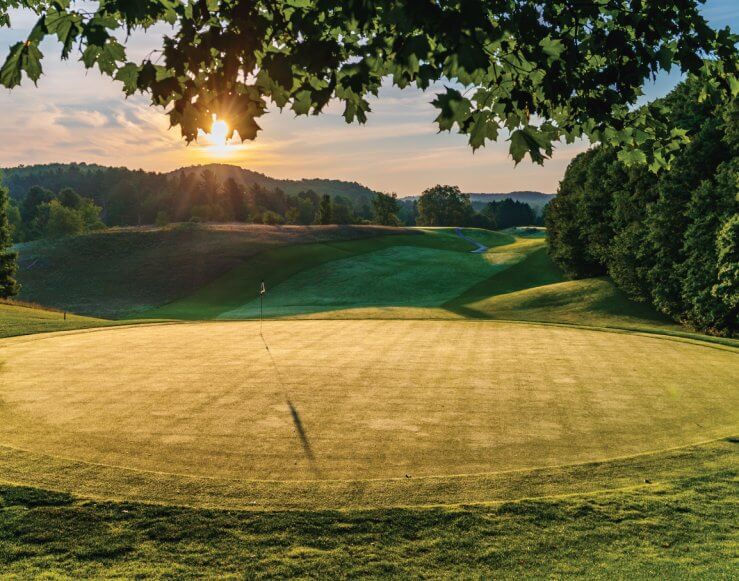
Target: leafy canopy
[{"x": 537, "y": 72}]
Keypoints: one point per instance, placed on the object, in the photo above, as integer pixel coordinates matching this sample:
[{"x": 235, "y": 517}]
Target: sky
[{"x": 74, "y": 115}]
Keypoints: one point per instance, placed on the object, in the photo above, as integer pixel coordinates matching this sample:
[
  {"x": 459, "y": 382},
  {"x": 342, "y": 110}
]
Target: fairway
[{"x": 356, "y": 400}]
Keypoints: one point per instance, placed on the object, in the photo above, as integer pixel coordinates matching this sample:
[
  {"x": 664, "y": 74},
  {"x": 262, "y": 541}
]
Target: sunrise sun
[{"x": 219, "y": 133}]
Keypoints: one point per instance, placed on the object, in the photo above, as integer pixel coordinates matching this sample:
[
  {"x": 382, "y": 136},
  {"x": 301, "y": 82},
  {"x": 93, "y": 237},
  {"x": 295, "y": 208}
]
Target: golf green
[{"x": 345, "y": 401}]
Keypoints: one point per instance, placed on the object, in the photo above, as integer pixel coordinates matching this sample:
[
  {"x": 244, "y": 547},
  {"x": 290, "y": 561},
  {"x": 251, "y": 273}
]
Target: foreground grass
[
  {"x": 201, "y": 413},
  {"x": 667, "y": 528}
]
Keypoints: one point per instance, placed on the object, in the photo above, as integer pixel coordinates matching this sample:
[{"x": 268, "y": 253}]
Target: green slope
[
  {"x": 536, "y": 269},
  {"x": 123, "y": 271},
  {"x": 422, "y": 270},
  {"x": 18, "y": 319},
  {"x": 594, "y": 302},
  {"x": 207, "y": 272}
]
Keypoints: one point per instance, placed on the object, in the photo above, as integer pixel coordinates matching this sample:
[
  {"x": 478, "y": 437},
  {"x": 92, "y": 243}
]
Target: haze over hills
[
  {"x": 87, "y": 179},
  {"x": 84, "y": 177}
]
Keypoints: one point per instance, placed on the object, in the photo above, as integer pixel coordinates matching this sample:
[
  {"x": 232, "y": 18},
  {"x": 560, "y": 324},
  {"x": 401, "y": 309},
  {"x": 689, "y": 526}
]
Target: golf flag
[{"x": 262, "y": 289}]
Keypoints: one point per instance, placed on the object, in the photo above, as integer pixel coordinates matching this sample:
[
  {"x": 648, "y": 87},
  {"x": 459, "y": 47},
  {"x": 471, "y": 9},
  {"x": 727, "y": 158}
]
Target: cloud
[{"x": 78, "y": 115}]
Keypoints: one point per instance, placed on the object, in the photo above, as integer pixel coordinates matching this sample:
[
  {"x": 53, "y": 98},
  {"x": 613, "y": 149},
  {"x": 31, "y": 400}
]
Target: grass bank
[{"x": 679, "y": 525}]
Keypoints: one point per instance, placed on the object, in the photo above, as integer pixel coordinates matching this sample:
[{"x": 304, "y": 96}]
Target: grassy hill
[
  {"x": 123, "y": 271},
  {"x": 470, "y": 442},
  {"x": 198, "y": 272}
]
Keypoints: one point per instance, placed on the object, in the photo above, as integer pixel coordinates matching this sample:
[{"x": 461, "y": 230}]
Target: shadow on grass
[{"x": 303, "y": 437}]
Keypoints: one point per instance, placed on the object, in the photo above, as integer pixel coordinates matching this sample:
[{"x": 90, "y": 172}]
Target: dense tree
[
  {"x": 43, "y": 214},
  {"x": 563, "y": 220},
  {"x": 35, "y": 198},
  {"x": 726, "y": 288},
  {"x": 341, "y": 212},
  {"x": 69, "y": 198},
  {"x": 235, "y": 195},
  {"x": 63, "y": 221},
  {"x": 325, "y": 210},
  {"x": 444, "y": 206},
  {"x": 507, "y": 213},
  {"x": 271, "y": 218},
  {"x": 9, "y": 287},
  {"x": 386, "y": 209},
  {"x": 136, "y": 197},
  {"x": 408, "y": 213},
  {"x": 307, "y": 206},
  {"x": 664, "y": 239},
  {"x": 15, "y": 221},
  {"x": 539, "y": 70}
]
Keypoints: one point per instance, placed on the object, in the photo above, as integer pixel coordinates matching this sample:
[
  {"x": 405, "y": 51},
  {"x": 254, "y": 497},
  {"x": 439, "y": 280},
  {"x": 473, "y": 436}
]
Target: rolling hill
[
  {"x": 351, "y": 190},
  {"x": 122, "y": 271},
  {"x": 407, "y": 400},
  {"x": 96, "y": 181},
  {"x": 196, "y": 272}
]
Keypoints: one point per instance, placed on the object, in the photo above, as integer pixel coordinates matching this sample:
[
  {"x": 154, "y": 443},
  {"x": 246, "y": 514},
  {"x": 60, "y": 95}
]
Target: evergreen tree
[
  {"x": 9, "y": 287},
  {"x": 325, "y": 210}
]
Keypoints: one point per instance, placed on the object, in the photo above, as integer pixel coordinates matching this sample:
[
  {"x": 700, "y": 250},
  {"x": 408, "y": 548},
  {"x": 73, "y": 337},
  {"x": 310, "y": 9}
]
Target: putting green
[{"x": 347, "y": 401}]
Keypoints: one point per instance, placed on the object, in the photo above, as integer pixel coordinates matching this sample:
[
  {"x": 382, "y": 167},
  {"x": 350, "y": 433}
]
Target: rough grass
[
  {"x": 241, "y": 284},
  {"x": 340, "y": 401},
  {"x": 672, "y": 526},
  {"x": 123, "y": 271},
  {"x": 21, "y": 319},
  {"x": 413, "y": 272}
]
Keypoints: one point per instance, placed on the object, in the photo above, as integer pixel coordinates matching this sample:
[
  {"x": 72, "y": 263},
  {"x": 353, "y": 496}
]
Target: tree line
[
  {"x": 672, "y": 239},
  {"x": 43, "y": 214},
  {"x": 445, "y": 205},
  {"x": 128, "y": 198}
]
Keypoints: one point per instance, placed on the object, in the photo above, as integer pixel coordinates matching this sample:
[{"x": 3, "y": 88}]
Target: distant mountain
[
  {"x": 352, "y": 190},
  {"x": 535, "y": 199},
  {"x": 89, "y": 178}
]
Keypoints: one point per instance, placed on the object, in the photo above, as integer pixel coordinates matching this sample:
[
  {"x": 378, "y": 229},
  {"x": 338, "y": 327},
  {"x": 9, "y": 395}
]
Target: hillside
[
  {"x": 121, "y": 271},
  {"x": 96, "y": 181},
  {"x": 198, "y": 272},
  {"x": 352, "y": 190}
]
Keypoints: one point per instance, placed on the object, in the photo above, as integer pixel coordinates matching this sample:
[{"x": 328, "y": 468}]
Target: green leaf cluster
[{"x": 534, "y": 73}]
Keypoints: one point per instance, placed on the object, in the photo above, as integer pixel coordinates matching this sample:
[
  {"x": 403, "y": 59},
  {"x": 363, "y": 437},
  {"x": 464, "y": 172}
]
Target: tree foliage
[
  {"x": 444, "y": 206},
  {"x": 509, "y": 213},
  {"x": 670, "y": 239},
  {"x": 9, "y": 287},
  {"x": 386, "y": 209},
  {"x": 325, "y": 210},
  {"x": 536, "y": 72},
  {"x": 42, "y": 214}
]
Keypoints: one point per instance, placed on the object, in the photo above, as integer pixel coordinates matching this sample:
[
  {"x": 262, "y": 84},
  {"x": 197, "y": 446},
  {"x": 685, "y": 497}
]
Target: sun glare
[
  {"x": 216, "y": 141},
  {"x": 219, "y": 133}
]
